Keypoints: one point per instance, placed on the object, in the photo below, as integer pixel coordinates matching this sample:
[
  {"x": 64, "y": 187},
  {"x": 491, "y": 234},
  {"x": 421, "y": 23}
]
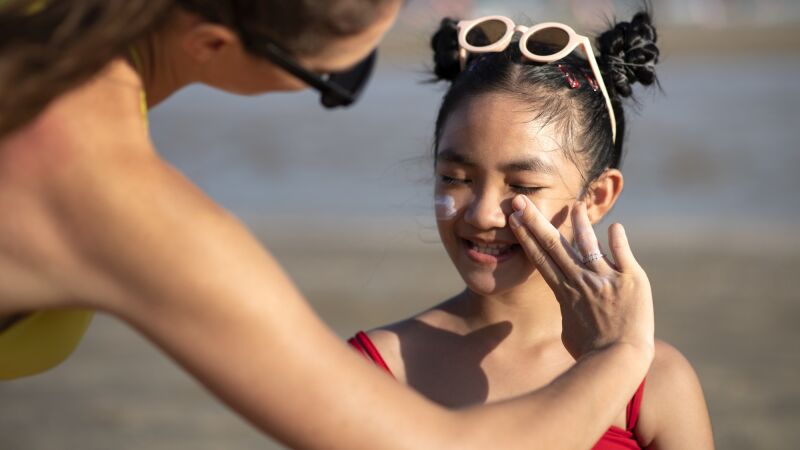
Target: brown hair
[
  {"x": 49, "y": 47},
  {"x": 300, "y": 27}
]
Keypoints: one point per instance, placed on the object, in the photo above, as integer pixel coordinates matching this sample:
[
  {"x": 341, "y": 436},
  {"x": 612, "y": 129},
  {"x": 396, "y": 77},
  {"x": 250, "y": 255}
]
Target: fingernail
[
  {"x": 514, "y": 219},
  {"x": 519, "y": 203}
]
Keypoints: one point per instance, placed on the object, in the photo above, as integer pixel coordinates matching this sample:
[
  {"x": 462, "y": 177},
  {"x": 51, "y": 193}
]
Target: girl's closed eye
[
  {"x": 525, "y": 190},
  {"x": 452, "y": 180}
]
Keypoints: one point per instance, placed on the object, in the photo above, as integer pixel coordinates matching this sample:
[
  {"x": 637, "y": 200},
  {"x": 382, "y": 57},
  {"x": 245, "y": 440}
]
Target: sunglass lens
[
  {"x": 352, "y": 81},
  {"x": 547, "y": 41},
  {"x": 486, "y": 33}
]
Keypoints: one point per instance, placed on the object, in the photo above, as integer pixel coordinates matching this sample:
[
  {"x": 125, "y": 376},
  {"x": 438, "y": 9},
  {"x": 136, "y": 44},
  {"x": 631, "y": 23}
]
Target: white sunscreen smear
[{"x": 445, "y": 207}]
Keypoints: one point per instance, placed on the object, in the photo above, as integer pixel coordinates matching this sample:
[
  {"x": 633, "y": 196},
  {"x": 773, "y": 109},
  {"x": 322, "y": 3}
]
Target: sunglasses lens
[
  {"x": 352, "y": 81},
  {"x": 486, "y": 33},
  {"x": 547, "y": 41}
]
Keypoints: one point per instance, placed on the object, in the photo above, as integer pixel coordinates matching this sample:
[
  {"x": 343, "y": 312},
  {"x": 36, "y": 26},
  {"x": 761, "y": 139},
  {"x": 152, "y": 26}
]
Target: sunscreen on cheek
[{"x": 445, "y": 206}]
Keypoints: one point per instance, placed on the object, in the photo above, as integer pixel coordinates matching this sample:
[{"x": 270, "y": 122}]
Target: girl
[
  {"x": 530, "y": 126},
  {"x": 94, "y": 219}
]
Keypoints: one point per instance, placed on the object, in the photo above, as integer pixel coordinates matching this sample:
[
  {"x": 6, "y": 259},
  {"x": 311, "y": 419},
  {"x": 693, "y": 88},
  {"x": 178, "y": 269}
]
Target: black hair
[{"x": 627, "y": 55}]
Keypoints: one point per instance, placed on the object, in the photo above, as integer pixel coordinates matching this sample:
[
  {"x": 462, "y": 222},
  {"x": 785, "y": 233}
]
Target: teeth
[{"x": 490, "y": 249}]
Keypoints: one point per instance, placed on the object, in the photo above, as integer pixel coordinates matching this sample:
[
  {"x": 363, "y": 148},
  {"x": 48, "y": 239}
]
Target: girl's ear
[{"x": 603, "y": 193}]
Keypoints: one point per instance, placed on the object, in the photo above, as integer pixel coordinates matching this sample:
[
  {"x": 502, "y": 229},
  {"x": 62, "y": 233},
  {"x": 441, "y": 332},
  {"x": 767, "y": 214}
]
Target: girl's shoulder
[
  {"x": 387, "y": 342},
  {"x": 672, "y": 394},
  {"x": 408, "y": 335}
]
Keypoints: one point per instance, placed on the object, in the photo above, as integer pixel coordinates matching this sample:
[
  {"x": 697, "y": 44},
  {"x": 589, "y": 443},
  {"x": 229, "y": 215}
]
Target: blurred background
[{"x": 344, "y": 200}]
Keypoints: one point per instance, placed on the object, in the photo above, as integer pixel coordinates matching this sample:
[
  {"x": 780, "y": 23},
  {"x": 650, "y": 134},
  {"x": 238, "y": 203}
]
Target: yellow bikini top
[{"x": 44, "y": 339}]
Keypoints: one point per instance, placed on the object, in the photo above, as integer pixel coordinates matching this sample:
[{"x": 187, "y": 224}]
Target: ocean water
[{"x": 719, "y": 146}]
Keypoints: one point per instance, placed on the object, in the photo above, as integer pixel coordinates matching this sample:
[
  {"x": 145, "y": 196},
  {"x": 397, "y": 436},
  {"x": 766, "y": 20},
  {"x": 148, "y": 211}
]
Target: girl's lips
[{"x": 482, "y": 258}]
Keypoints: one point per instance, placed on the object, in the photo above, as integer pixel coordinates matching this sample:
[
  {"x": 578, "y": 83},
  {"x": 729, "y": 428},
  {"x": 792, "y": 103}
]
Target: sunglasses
[
  {"x": 336, "y": 89},
  {"x": 544, "y": 43}
]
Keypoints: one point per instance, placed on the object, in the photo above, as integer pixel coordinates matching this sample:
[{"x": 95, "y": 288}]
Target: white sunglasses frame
[{"x": 575, "y": 40}]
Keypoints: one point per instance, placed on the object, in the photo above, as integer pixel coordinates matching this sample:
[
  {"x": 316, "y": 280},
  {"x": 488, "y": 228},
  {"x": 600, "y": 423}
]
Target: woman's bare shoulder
[
  {"x": 91, "y": 196},
  {"x": 103, "y": 112}
]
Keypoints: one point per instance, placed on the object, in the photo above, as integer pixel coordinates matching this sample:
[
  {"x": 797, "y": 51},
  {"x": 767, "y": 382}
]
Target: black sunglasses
[{"x": 336, "y": 89}]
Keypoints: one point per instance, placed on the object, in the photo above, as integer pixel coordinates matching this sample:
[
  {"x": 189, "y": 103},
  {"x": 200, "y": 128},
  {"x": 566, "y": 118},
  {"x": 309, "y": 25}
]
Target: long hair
[{"x": 47, "y": 48}]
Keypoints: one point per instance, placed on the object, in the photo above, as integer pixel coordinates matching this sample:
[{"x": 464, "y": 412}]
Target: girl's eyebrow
[
  {"x": 530, "y": 165},
  {"x": 451, "y": 155},
  {"x": 534, "y": 164}
]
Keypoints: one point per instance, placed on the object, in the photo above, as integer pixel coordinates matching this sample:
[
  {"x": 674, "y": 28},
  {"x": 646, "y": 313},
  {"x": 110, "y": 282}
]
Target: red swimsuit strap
[
  {"x": 364, "y": 345},
  {"x": 632, "y": 416}
]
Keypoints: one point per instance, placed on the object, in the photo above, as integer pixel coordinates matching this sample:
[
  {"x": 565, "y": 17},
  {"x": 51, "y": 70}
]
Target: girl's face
[{"x": 491, "y": 150}]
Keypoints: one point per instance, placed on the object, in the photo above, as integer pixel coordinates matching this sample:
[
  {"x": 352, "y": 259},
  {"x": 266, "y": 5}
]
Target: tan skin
[
  {"x": 101, "y": 221},
  {"x": 501, "y": 336}
]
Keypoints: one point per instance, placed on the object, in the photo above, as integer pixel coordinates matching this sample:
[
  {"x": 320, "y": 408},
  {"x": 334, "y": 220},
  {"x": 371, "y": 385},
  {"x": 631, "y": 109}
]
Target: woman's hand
[{"x": 603, "y": 302}]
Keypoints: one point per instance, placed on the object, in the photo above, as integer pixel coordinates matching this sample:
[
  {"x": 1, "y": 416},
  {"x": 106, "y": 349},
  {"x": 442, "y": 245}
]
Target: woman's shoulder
[
  {"x": 672, "y": 390},
  {"x": 91, "y": 135},
  {"x": 103, "y": 111}
]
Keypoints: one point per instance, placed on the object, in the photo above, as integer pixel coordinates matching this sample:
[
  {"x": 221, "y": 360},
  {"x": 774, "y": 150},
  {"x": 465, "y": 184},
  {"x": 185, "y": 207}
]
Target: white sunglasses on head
[{"x": 494, "y": 34}]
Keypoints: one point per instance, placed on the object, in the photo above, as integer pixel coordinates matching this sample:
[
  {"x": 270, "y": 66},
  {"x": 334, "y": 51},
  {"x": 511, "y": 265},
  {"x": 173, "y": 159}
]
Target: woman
[
  {"x": 101, "y": 222},
  {"x": 518, "y": 131}
]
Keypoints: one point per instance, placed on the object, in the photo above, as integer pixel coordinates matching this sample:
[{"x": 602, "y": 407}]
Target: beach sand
[{"x": 726, "y": 300}]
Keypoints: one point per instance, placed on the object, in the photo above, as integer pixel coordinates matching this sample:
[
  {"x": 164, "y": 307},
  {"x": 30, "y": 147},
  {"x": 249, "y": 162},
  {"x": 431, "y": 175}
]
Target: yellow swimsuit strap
[{"x": 137, "y": 62}]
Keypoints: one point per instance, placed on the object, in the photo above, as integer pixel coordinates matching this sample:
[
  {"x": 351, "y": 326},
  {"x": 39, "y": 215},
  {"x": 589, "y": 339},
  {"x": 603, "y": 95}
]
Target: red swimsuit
[{"x": 614, "y": 439}]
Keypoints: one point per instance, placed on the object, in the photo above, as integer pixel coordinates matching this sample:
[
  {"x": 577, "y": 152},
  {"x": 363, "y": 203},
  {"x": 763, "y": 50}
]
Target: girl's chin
[
  {"x": 485, "y": 287},
  {"x": 495, "y": 282}
]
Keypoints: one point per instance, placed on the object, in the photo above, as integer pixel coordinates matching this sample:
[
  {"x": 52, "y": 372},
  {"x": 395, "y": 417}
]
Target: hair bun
[
  {"x": 444, "y": 43},
  {"x": 629, "y": 53}
]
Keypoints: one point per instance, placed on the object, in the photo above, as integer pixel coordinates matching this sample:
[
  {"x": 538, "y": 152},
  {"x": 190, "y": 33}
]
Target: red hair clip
[
  {"x": 571, "y": 80},
  {"x": 590, "y": 79}
]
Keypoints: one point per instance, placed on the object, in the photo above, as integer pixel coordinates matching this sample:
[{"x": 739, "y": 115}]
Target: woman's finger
[
  {"x": 548, "y": 238},
  {"x": 586, "y": 240},
  {"x": 541, "y": 260},
  {"x": 623, "y": 256}
]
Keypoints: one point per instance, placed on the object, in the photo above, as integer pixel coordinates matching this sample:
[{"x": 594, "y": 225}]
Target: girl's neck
[{"x": 531, "y": 309}]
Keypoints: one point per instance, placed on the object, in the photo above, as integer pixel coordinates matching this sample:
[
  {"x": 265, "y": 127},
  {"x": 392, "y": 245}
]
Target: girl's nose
[{"x": 488, "y": 211}]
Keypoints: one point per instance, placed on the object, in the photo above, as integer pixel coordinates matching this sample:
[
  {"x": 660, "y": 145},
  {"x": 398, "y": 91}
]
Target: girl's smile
[{"x": 488, "y": 253}]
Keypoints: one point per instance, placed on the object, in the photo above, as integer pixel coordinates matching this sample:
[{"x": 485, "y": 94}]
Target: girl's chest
[{"x": 457, "y": 381}]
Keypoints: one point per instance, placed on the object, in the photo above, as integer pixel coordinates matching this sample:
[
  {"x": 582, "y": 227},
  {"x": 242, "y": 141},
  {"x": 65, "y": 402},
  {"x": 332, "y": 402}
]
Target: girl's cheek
[
  {"x": 557, "y": 211},
  {"x": 445, "y": 207}
]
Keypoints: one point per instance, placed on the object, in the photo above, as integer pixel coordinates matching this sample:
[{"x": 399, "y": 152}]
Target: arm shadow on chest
[{"x": 446, "y": 366}]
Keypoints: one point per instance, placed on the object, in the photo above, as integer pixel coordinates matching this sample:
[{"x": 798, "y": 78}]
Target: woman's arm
[
  {"x": 102, "y": 222},
  {"x": 673, "y": 413}
]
